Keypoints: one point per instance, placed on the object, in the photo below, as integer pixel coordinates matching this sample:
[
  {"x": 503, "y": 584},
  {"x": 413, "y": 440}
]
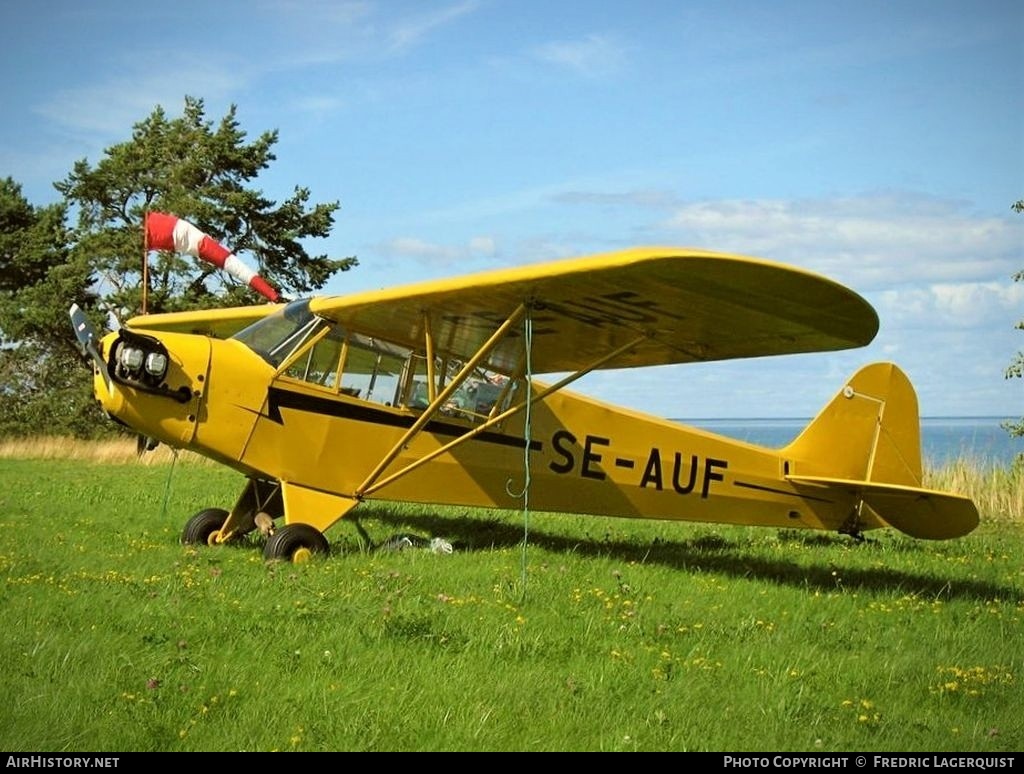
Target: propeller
[{"x": 88, "y": 342}]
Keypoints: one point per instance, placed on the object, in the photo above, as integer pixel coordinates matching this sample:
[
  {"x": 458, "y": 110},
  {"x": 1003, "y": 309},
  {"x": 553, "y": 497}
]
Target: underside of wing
[
  {"x": 678, "y": 304},
  {"x": 218, "y": 323}
]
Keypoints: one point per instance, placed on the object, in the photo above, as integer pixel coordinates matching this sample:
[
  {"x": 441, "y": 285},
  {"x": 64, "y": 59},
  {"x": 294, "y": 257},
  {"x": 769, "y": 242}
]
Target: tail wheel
[
  {"x": 202, "y": 528},
  {"x": 295, "y": 543}
]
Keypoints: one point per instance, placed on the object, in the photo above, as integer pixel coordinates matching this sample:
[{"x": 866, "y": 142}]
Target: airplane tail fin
[{"x": 867, "y": 442}]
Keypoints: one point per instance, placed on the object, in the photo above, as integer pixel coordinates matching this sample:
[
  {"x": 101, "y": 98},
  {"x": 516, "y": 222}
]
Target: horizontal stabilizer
[{"x": 921, "y": 513}]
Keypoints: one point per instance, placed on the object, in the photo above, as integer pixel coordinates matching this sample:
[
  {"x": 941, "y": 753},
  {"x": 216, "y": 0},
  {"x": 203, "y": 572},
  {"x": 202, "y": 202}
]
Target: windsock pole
[{"x": 145, "y": 262}]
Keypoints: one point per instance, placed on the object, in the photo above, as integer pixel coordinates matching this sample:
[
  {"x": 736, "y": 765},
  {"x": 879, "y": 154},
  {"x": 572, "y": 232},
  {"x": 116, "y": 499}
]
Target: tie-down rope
[{"x": 528, "y": 337}]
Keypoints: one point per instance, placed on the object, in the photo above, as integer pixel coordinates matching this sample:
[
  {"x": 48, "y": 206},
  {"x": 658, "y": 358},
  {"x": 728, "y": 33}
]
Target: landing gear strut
[{"x": 204, "y": 527}]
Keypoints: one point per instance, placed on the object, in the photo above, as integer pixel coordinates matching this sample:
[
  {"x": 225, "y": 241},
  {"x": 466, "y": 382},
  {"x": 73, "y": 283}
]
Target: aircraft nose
[{"x": 156, "y": 382}]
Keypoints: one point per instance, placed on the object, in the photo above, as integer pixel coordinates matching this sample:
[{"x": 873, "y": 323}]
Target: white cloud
[
  {"x": 962, "y": 305},
  {"x": 411, "y": 31},
  {"x": 478, "y": 249},
  {"x": 110, "y": 107},
  {"x": 317, "y": 105},
  {"x": 329, "y": 31},
  {"x": 592, "y": 56},
  {"x": 482, "y": 245},
  {"x": 319, "y": 13},
  {"x": 307, "y": 35},
  {"x": 868, "y": 241},
  {"x": 648, "y": 198}
]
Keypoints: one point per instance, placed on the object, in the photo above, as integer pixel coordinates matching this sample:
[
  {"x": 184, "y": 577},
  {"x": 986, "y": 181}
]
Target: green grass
[{"x": 614, "y": 634}]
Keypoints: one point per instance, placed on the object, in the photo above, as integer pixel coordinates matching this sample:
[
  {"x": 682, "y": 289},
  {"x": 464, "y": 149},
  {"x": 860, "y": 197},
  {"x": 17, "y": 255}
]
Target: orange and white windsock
[{"x": 167, "y": 232}]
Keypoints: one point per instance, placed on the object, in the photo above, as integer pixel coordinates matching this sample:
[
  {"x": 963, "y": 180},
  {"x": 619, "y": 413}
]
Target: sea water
[{"x": 943, "y": 439}]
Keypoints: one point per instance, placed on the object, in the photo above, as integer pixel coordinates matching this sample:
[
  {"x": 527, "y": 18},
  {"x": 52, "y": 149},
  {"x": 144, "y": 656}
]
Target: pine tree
[{"x": 184, "y": 166}]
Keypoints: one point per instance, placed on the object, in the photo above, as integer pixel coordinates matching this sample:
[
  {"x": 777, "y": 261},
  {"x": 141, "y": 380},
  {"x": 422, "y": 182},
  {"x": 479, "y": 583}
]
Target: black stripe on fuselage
[
  {"x": 773, "y": 490},
  {"x": 278, "y": 399}
]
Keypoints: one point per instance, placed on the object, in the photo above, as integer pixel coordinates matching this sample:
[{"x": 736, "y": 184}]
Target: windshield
[{"x": 276, "y": 336}]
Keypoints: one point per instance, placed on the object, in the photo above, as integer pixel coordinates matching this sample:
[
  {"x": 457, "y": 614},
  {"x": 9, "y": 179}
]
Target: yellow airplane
[{"x": 426, "y": 393}]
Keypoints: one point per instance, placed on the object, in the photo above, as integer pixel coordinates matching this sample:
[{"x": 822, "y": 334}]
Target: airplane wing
[
  {"x": 689, "y": 305},
  {"x": 218, "y": 323}
]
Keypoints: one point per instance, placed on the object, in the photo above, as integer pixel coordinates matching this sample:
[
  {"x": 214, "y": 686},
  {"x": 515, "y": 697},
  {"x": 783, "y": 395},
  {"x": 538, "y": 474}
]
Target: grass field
[{"x": 601, "y": 634}]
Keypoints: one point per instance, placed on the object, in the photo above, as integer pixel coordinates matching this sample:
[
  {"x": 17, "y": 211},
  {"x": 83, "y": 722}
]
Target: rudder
[
  {"x": 866, "y": 444},
  {"x": 870, "y": 431}
]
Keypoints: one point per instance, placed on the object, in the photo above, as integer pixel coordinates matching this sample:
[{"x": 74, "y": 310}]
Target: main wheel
[
  {"x": 202, "y": 528},
  {"x": 295, "y": 543}
]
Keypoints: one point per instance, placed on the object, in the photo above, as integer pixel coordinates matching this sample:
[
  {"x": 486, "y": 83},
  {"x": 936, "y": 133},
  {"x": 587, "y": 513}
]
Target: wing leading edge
[
  {"x": 688, "y": 305},
  {"x": 218, "y": 323}
]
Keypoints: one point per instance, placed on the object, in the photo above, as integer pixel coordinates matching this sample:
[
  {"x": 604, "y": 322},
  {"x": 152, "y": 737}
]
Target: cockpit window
[
  {"x": 482, "y": 395},
  {"x": 323, "y": 354},
  {"x": 373, "y": 370},
  {"x": 276, "y": 336},
  {"x": 318, "y": 364}
]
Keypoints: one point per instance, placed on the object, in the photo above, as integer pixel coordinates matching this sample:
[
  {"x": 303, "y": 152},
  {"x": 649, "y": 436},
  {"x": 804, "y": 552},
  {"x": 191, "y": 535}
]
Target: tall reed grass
[
  {"x": 997, "y": 490},
  {"x": 109, "y": 451}
]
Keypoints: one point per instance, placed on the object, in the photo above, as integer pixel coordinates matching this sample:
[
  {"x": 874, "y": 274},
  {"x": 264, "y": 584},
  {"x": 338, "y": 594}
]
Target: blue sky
[{"x": 878, "y": 143}]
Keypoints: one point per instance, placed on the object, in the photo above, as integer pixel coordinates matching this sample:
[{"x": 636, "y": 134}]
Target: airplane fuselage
[{"x": 584, "y": 456}]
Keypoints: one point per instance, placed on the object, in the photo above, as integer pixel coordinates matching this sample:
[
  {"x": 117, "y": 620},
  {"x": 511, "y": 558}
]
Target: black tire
[
  {"x": 295, "y": 543},
  {"x": 201, "y": 528}
]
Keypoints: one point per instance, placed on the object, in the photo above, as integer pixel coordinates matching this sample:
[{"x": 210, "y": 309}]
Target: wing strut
[
  {"x": 428, "y": 338},
  {"x": 440, "y": 400},
  {"x": 369, "y": 487}
]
